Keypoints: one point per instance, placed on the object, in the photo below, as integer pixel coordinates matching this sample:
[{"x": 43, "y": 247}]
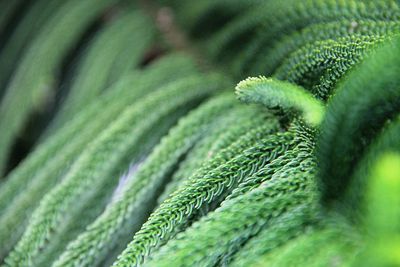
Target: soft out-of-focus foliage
[{"x": 124, "y": 140}]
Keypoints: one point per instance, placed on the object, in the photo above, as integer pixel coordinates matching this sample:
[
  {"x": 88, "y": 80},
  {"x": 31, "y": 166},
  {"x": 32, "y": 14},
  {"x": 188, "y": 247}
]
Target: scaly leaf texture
[
  {"x": 80, "y": 218},
  {"x": 26, "y": 29},
  {"x": 328, "y": 30},
  {"x": 162, "y": 70},
  {"x": 34, "y": 75},
  {"x": 382, "y": 217},
  {"x": 131, "y": 203},
  {"x": 329, "y": 244},
  {"x": 223, "y": 231},
  {"x": 100, "y": 66},
  {"x": 230, "y": 136},
  {"x": 276, "y": 233},
  {"x": 196, "y": 156},
  {"x": 224, "y": 132},
  {"x": 306, "y": 65},
  {"x": 288, "y": 149},
  {"x": 277, "y": 18},
  {"x": 208, "y": 186},
  {"x": 362, "y": 104},
  {"x": 129, "y": 89},
  {"x": 94, "y": 206},
  {"x": 270, "y": 59},
  {"x": 94, "y": 166},
  {"x": 44, "y": 168},
  {"x": 271, "y": 19},
  {"x": 274, "y": 93}
]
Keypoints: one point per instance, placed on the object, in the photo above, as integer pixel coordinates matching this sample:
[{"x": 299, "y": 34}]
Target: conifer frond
[
  {"x": 130, "y": 88},
  {"x": 131, "y": 31},
  {"x": 224, "y": 131},
  {"x": 228, "y": 227},
  {"x": 209, "y": 184},
  {"x": 300, "y": 170},
  {"x": 270, "y": 59},
  {"x": 22, "y": 36},
  {"x": 322, "y": 246},
  {"x": 282, "y": 229},
  {"x": 93, "y": 167},
  {"x": 33, "y": 77},
  {"x": 122, "y": 215},
  {"x": 272, "y": 19},
  {"x": 274, "y": 93},
  {"x": 288, "y": 150},
  {"x": 358, "y": 110},
  {"x": 45, "y": 167},
  {"x": 309, "y": 64}
]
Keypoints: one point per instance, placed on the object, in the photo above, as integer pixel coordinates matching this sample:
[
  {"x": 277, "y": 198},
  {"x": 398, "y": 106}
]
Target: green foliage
[
  {"x": 329, "y": 244},
  {"x": 319, "y": 32},
  {"x": 6, "y": 13},
  {"x": 208, "y": 184},
  {"x": 387, "y": 140},
  {"x": 304, "y": 65},
  {"x": 33, "y": 77},
  {"x": 25, "y": 186},
  {"x": 129, "y": 203},
  {"x": 93, "y": 167},
  {"x": 26, "y": 29},
  {"x": 224, "y": 230},
  {"x": 276, "y": 233},
  {"x": 131, "y": 31},
  {"x": 267, "y": 22},
  {"x": 117, "y": 149},
  {"x": 288, "y": 150},
  {"x": 381, "y": 221},
  {"x": 351, "y": 118},
  {"x": 225, "y": 130},
  {"x": 212, "y": 13},
  {"x": 273, "y": 93}
]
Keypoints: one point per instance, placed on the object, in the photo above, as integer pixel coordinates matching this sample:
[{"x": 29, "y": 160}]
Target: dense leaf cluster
[{"x": 125, "y": 142}]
